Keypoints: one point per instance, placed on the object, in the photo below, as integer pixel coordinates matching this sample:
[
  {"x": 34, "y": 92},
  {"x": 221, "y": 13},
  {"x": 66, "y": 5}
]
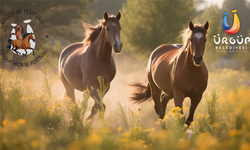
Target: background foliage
[{"x": 148, "y": 24}]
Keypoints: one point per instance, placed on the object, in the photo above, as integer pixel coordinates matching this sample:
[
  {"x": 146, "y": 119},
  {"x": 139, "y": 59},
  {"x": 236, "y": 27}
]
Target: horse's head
[
  {"x": 197, "y": 41},
  {"x": 112, "y": 30},
  {"x": 32, "y": 37},
  {"x": 17, "y": 26}
]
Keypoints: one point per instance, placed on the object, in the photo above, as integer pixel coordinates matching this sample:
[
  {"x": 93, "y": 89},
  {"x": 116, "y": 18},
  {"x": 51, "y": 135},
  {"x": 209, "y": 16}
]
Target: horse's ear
[
  {"x": 206, "y": 26},
  {"x": 118, "y": 16},
  {"x": 191, "y": 25},
  {"x": 105, "y": 16}
]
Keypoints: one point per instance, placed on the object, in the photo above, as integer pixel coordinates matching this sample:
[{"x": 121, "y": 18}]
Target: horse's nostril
[
  {"x": 121, "y": 45},
  {"x": 115, "y": 45},
  {"x": 198, "y": 58}
]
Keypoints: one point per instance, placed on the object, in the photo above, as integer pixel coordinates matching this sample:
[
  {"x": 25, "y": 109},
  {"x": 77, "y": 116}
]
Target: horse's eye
[
  {"x": 107, "y": 29},
  {"x": 205, "y": 40}
]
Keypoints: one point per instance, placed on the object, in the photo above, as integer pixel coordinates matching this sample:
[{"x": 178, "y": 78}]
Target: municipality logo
[
  {"x": 232, "y": 43},
  {"x": 236, "y": 24},
  {"x": 22, "y": 43}
]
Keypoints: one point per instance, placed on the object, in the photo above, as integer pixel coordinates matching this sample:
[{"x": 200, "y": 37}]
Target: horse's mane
[
  {"x": 25, "y": 35},
  {"x": 187, "y": 33},
  {"x": 21, "y": 27},
  {"x": 92, "y": 32}
]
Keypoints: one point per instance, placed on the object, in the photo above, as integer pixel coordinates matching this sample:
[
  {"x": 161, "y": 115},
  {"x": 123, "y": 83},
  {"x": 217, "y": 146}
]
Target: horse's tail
[{"x": 142, "y": 92}]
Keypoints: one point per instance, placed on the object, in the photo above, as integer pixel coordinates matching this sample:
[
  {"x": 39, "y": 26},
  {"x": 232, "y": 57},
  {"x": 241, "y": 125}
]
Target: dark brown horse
[
  {"x": 178, "y": 71},
  {"x": 81, "y": 63}
]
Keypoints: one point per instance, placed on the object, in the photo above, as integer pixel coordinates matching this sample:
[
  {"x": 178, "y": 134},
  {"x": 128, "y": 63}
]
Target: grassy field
[{"x": 35, "y": 116}]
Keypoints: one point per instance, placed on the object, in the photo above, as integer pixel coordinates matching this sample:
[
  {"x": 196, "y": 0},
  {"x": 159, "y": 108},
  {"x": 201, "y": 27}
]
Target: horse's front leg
[
  {"x": 15, "y": 50},
  {"x": 178, "y": 98},
  {"x": 164, "y": 101},
  {"x": 195, "y": 100},
  {"x": 99, "y": 105}
]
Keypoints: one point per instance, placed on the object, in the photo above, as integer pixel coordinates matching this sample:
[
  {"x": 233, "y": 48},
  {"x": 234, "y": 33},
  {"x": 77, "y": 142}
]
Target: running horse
[
  {"x": 80, "y": 64},
  {"x": 24, "y": 44},
  {"x": 178, "y": 71}
]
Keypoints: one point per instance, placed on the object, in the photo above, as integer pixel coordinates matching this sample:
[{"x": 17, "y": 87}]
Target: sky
[
  {"x": 214, "y": 2},
  {"x": 207, "y": 3},
  {"x": 217, "y": 2}
]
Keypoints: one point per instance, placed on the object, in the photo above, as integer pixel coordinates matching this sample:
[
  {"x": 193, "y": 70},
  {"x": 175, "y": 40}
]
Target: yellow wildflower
[
  {"x": 21, "y": 121},
  {"x": 235, "y": 132},
  {"x": 245, "y": 146},
  {"x": 34, "y": 143},
  {"x": 94, "y": 139},
  {"x": 5, "y": 122},
  {"x": 183, "y": 144},
  {"x": 198, "y": 116},
  {"x": 119, "y": 129}
]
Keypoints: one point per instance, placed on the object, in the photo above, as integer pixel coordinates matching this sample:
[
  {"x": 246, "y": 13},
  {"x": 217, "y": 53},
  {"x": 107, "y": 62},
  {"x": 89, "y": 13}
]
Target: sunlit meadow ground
[{"x": 35, "y": 116}]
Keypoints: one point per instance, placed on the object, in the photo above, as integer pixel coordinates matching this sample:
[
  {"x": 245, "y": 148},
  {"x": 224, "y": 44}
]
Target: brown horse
[
  {"x": 24, "y": 44},
  {"x": 19, "y": 32},
  {"x": 81, "y": 63},
  {"x": 178, "y": 71}
]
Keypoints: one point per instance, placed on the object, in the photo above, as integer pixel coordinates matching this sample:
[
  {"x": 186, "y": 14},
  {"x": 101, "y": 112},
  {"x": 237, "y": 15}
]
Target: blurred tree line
[
  {"x": 100, "y": 6},
  {"x": 148, "y": 24}
]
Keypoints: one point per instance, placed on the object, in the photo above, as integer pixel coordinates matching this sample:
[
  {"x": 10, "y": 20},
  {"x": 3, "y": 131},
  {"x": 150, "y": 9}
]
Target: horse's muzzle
[
  {"x": 197, "y": 60},
  {"x": 33, "y": 40},
  {"x": 118, "y": 47}
]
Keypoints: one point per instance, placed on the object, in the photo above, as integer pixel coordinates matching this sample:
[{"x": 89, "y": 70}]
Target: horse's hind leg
[
  {"x": 156, "y": 93},
  {"x": 69, "y": 89}
]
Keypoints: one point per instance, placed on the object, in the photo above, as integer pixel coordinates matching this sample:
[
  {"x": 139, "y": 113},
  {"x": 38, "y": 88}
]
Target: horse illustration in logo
[
  {"x": 22, "y": 44},
  {"x": 236, "y": 25}
]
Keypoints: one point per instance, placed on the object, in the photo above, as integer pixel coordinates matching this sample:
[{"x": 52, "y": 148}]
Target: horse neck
[
  {"x": 104, "y": 48},
  {"x": 19, "y": 30},
  {"x": 26, "y": 39}
]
